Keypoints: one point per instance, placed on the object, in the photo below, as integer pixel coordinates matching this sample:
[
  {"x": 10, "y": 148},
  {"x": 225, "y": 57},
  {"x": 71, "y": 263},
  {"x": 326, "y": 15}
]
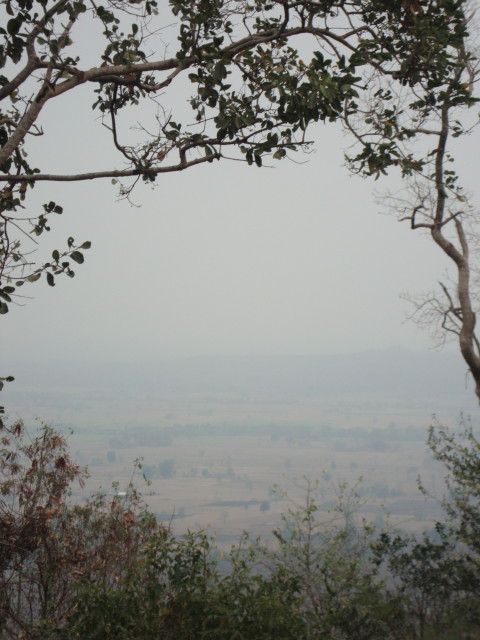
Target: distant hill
[{"x": 382, "y": 372}]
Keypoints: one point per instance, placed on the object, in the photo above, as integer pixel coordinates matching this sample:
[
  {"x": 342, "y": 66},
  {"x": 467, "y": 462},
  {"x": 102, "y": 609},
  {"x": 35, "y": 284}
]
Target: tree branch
[{"x": 109, "y": 173}]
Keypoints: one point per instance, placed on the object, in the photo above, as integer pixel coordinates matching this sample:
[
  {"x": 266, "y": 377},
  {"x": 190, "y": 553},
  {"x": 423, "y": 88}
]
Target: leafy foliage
[
  {"x": 435, "y": 579},
  {"x": 260, "y": 74},
  {"x": 48, "y": 545},
  {"x": 108, "y": 569},
  {"x": 178, "y": 592},
  {"x": 460, "y": 456},
  {"x": 329, "y": 559}
]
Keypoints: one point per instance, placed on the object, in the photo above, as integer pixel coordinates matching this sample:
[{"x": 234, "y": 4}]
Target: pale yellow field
[{"x": 245, "y": 469}]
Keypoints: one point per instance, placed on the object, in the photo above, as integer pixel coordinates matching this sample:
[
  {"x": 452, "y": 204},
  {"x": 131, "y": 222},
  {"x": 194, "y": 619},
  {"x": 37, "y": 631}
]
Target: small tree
[
  {"x": 432, "y": 581},
  {"x": 48, "y": 545},
  {"x": 328, "y": 556},
  {"x": 166, "y": 468}
]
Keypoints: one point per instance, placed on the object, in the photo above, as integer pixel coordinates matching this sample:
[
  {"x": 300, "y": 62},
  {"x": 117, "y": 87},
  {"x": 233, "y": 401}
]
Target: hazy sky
[{"x": 220, "y": 259}]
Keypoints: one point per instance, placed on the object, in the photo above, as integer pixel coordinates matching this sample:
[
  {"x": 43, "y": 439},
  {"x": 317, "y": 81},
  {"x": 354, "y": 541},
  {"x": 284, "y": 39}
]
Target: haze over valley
[{"x": 216, "y": 435}]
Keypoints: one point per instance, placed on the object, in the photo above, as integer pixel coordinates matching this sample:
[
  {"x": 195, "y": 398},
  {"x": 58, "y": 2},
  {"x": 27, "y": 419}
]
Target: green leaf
[
  {"x": 34, "y": 277},
  {"x": 86, "y": 245},
  {"x": 3, "y": 308},
  {"x": 220, "y": 72},
  {"x": 77, "y": 256},
  {"x": 13, "y": 25}
]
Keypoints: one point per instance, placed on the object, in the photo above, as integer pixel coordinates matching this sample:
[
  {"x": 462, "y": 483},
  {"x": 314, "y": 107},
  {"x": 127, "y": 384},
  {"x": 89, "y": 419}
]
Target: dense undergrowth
[{"x": 106, "y": 569}]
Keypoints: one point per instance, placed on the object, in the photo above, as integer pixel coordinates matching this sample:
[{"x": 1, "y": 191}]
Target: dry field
[{"x": 227, "y": 483}]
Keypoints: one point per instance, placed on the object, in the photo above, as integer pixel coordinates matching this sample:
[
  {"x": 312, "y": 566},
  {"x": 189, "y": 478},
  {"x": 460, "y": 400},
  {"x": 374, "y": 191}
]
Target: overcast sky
[
  {"x": 228, "y": 259},
  {"x": 220, "y": 259}
]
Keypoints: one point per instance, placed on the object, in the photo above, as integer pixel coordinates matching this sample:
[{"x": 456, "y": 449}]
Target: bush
[
  {"x": 51, "y": 546},
  {"x": 176, "y": 592}
]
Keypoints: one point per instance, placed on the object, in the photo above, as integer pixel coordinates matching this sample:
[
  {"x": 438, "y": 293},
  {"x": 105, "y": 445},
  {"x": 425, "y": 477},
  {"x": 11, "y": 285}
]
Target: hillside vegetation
[{"x": 108, "y": 569}]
